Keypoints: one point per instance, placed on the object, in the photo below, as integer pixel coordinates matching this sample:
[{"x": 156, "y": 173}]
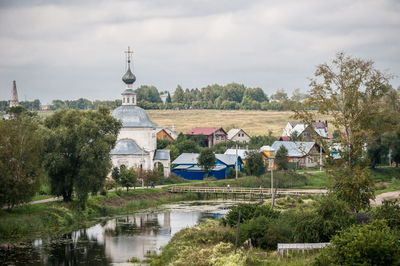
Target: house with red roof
[{"x": 213, "y": 135}]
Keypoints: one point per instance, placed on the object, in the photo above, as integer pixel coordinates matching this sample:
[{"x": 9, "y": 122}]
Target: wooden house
[{"x": 212, "y": 135}]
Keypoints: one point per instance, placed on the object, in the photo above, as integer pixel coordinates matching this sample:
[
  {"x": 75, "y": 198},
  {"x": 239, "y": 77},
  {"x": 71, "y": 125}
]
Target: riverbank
[
  {"x": 56, "y": 218},
  {"x": 211, "y": 243}
]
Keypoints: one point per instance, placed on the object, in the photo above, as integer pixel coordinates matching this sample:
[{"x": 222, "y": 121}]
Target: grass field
[{"x": 253, "y": 122}]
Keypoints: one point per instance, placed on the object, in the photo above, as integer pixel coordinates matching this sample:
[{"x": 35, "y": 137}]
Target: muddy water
[{"x": 117, "y": 240}]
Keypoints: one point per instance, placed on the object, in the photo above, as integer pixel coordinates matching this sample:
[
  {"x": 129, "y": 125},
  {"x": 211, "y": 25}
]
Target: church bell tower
[{"x": 128, "y": 96}]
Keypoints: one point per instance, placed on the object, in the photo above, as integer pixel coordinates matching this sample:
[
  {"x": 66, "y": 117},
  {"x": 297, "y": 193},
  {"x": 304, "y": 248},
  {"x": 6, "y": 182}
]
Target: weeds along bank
[
  {"x": 55, "y": 218},
  {"x": 370, "y": 238}
]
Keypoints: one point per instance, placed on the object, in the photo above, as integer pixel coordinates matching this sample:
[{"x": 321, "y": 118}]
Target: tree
[
  {"x": 127, "y": 177},
  {"x": 78, "y": 151},
  {"x": 168, "y": 100},
  {"x": 254, "y": 163},
  {"x": 351, "y": 91},
  {"x": 281, "y": 158},
  {"x": 21, "y": 147},
  {"x": 206, "y": 160},
  {"x": 188, "y": 145},
  {"x": 354, "y": 186},
  {"x": 369, "y": 244},
  {"x": 280, "y": 95},
  {"x": 178, "y": 96}
]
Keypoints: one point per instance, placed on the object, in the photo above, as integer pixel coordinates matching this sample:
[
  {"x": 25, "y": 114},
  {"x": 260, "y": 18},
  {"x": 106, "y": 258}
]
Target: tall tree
[
  {"x": 206, "y": 160},
  {"x": 78, "y": 151},
  {"x": 168, "y": 100},
  {"x": 254, "y": 163},
  {"x": 178, "y": 96},
  {"x": 350, "y": 90},
  {"x": 21, "y": 147},
  {"x": 281, "y": 158}
]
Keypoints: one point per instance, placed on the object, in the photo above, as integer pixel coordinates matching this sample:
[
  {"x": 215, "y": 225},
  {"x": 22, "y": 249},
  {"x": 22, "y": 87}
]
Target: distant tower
[{"x": 14, "y": 99}]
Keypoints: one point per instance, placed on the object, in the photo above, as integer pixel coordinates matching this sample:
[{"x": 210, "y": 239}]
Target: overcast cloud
[{"x": 73, "y": 49}]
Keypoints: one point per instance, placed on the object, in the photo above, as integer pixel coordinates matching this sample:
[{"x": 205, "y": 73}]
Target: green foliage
[
  {"x": 78, "y": 151},
  {"x": 21, "y": 153},
  {"x": 127, "y": 177},
  {"x": 148, "y": 93},
  {"x": 390, "y": 212},
  {"x": 206, "y": 160},
  {"x": 254, "y": 163},
  {"x": 173, "y": 152},
  {"x": 355, "y": 186},
  {"x": 163, "y": 143},
  {"x": 369, "y": 244},
  {"x": 256, "y": 142},
  {"x": 188, "y": 146},
  {"x": 247, "y": 212},
  {"x": 281, "y": 158},
  {"x": 327, "y": 216}
]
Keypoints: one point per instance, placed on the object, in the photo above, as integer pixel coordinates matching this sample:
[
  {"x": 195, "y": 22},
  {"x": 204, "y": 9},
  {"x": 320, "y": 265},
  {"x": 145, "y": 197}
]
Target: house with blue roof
[
  {"x": 186, "y": 166},
  {"x": 301, "y": 153}
]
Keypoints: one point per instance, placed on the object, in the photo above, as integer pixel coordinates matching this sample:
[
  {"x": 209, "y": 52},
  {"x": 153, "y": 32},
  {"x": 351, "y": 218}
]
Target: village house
[
  {"x": 166, "y": 134},
  {"x": 301, "y": 154},
  {"x": 240, "y": 152},
  {"x": 268, "y": 154},
  {"x": 305, "y": 132},
  {"x": 186, "y": 166},
  {"x": 238, "y": 135},
  {"x": 212, "y": 135}
]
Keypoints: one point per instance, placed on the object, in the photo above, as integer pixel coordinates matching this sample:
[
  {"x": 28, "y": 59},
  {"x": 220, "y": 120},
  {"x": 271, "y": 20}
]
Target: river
[{"x": 118, "y": 239}]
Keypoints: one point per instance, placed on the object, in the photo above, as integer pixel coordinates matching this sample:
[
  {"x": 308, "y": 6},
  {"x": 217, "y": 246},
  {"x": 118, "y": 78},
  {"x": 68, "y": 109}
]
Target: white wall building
[
  {"x": 238, "y": 135},
  {"x": 137, "y": 140}
]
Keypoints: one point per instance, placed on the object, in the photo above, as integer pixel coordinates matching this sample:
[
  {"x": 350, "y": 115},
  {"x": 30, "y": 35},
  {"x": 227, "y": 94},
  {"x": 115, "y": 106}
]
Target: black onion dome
[{"x": 129, "y": 77}]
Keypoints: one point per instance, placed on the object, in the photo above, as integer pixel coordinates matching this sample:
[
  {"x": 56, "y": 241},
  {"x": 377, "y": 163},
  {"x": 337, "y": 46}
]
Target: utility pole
[
  {"x": 236, "y": 163},
  {"x": 272, "y": 188},
  {"x": 320, "y": 157}
]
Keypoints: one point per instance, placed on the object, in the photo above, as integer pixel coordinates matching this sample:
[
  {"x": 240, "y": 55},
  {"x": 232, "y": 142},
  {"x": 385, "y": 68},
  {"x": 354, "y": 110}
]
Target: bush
[
  {"x": 371, "y": 244},
  {"x": 248, "y": 211},
  {"x": 328, "y": 216},
  {"x": 390, "y": 211}
]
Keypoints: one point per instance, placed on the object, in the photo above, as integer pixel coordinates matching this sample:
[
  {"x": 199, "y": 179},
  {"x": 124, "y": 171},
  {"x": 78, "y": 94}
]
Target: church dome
[
  {"x": 129, "y": 77},
  {"x": 132, "y": 116}
]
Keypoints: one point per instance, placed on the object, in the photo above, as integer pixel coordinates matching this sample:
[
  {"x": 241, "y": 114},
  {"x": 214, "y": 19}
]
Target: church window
[
  {"x": 127, "y": 100},
  {"x": 123, "y": 99}
]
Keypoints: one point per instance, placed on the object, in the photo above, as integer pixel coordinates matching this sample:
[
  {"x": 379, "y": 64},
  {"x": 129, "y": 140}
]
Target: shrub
[
  {"x": 248, "y": 211},
  {"x": 390, "y": 211},
  {"x": 370, "y": 244},
  {"x": 325, "y": 219}
]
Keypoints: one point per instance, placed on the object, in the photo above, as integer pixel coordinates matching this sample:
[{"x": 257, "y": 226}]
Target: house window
[{"x": 217, "y": 137}]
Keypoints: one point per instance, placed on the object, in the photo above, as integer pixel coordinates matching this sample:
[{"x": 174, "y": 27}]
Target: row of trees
[
  {"x": 232, "y": 96},
  {"x": 70, "y": 147},
  {"x": 228, "y": 97}
]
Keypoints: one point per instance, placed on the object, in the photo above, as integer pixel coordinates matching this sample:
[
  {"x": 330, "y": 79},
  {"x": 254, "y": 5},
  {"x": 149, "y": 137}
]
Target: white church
[{"x": 137, "y": 140}]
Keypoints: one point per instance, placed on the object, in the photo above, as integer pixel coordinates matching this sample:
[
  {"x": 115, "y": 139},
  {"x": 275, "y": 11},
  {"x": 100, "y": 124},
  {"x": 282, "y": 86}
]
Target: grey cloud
[{"x": 72, "y": 49}]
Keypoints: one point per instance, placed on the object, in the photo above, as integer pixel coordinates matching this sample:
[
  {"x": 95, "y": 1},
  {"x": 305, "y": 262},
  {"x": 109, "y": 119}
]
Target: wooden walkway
[{"x": 251, "y": 193}]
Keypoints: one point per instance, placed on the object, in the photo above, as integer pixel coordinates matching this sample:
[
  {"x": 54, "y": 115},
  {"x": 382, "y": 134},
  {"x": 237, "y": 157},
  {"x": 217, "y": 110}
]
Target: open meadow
[{"x": 252, "y": 121}]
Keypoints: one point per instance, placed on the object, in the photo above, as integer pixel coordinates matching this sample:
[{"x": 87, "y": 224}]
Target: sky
[{"x": 75, "y": 49}]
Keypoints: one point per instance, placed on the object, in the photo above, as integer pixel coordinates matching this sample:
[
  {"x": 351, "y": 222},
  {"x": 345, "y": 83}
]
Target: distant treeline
[{"x": 232, "y": 96}]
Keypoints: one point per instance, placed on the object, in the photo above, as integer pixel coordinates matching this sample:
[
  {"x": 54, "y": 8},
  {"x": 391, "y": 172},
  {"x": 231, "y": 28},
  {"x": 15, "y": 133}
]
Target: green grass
[
  {"x": 54, "y": 218},
  {"x": 213, "y": 244}
]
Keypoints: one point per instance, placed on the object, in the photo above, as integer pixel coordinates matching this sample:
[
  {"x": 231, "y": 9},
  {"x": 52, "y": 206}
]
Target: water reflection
[{"x": 114, "y": 241}]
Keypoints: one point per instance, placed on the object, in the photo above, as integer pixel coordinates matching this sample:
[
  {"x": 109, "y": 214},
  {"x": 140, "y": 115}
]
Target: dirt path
[{"x": 379, "y": 199}]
